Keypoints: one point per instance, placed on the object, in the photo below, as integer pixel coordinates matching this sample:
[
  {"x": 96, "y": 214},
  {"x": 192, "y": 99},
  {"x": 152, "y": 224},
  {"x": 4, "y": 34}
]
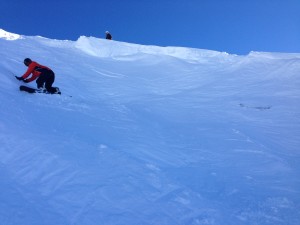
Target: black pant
[{"x": 46, "y": 78}]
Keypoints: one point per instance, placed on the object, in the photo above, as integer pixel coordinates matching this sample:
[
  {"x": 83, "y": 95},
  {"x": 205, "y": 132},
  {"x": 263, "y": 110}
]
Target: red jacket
[{"x": 33, "y": 69}]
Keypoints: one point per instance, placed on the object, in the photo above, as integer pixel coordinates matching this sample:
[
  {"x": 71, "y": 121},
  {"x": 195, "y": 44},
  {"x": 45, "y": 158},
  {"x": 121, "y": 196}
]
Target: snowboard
[{"x": 34, "y": 90}]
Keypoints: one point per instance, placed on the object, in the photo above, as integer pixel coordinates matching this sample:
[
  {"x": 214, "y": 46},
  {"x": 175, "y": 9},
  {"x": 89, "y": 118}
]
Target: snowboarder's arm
[
  {"x": 29, "y": 79},
  {"x": 29, "y": 71}
]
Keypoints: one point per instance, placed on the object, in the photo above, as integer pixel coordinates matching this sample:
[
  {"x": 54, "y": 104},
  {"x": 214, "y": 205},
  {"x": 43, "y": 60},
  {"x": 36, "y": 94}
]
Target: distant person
[
  {"x": 44, "y": 76},
  {"x": 108, "y": 35}
]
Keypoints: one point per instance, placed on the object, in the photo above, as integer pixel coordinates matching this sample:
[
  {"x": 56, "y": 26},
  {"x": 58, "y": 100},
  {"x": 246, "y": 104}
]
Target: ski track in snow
[{"x": 151, "y": 135}]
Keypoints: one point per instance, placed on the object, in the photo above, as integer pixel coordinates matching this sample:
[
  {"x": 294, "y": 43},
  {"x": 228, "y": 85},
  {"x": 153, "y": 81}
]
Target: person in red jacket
[{"x": 43, "y": 75}]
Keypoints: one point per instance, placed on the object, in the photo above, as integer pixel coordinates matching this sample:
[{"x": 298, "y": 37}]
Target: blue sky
[{"x": 233, "y": 26}]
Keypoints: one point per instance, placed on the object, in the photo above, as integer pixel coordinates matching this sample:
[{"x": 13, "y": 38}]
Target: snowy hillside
[{"x": 149, "y": 135}]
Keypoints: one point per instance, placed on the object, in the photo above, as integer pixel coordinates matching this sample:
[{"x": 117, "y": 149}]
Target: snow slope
[{"x": 151, "y": 135}]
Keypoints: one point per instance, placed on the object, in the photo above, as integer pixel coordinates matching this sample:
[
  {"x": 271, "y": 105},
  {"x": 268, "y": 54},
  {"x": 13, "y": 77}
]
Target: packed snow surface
[{"x": 145, "y": 135}]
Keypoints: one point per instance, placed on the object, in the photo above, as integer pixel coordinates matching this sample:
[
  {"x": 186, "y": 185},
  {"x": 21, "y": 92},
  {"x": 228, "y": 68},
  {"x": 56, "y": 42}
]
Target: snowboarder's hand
[
  {"x": 25, "y": 81},
  {"x": 19, "y": 78}
]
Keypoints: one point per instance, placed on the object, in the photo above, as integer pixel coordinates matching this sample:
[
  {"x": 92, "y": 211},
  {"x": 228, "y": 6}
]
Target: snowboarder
[
  {"x": 108, "y": 35},
  {"x": 44, "y": 76}
]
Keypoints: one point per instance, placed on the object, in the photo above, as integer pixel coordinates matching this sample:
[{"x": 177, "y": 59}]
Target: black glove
[
  {"x": 25, "y": 81},
  {"x": 19, "y": 78}
]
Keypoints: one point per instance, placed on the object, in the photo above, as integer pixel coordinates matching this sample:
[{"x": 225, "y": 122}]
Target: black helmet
[{"x": 27, "y": 61}]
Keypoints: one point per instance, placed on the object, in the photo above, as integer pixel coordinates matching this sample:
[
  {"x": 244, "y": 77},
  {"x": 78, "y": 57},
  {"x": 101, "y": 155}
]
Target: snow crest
[
  {"x": 9, "y": 36},
  {"x": 115, "y": 49}
]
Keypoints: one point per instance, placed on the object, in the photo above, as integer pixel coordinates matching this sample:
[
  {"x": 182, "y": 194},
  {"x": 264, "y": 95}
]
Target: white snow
[
  {"x": 151, "y": 135},
  {"x": 9, "y": 36}
]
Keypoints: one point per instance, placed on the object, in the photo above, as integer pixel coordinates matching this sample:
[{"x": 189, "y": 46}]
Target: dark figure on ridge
[{"x": 108, "y": 35}]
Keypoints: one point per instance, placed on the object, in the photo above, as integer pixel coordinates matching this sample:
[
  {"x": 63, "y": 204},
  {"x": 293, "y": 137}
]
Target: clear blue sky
[{"x": 234, "y": 26}]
